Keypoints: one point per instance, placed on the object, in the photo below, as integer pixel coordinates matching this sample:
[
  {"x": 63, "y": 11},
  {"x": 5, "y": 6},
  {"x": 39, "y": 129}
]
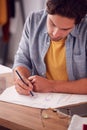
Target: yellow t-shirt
[{"x": 56, "y": 61}]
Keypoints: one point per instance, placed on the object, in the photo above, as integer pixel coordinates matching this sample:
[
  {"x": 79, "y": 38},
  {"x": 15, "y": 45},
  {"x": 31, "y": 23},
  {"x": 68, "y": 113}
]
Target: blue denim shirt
[{"x": 35, "y": 42}]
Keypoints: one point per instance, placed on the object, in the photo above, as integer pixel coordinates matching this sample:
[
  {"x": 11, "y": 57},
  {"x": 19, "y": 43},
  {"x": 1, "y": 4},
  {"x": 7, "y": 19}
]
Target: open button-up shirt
[{"x": 35, "y": 42}]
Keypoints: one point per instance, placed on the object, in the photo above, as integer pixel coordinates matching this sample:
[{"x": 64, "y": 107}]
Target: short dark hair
[{"x": 76, "y": 9}]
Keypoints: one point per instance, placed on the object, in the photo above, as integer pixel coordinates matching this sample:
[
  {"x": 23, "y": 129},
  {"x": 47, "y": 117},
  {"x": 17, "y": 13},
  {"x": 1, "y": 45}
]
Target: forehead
[{"x": 61, "y": 21}]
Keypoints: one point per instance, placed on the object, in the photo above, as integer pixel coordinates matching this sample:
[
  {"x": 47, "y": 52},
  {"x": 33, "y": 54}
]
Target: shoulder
[
  {"x": 35, "y": 21},
  {"x": 80, "y": 30},
  {"x": 82, "y": 27},
  {"x": 39, "y": 13},
  {"x": 37, "y": 16}
]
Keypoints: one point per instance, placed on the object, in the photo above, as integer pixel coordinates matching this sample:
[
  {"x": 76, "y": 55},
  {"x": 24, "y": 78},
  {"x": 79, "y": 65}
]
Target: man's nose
[{"x": 56, "y": 32}]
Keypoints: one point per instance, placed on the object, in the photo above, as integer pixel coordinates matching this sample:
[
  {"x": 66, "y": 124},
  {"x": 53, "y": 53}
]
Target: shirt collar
[{"x": 74, "y": 31}]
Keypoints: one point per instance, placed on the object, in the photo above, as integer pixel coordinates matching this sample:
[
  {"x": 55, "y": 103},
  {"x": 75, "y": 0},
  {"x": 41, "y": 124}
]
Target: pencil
[{"x": 23, "y": 81}]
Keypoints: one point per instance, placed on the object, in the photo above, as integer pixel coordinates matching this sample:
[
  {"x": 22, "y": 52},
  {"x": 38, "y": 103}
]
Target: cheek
[
  {"x": 66, "y": 33},
  {"x": 49, "y": 29}
]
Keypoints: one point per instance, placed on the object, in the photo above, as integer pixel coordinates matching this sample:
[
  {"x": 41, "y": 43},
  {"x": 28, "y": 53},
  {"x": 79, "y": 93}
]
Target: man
[{"x": 52, "y": 54}]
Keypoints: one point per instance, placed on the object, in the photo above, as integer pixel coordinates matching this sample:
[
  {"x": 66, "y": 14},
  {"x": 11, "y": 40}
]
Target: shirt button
[
  {"x": 48, "y": 43},
  {"x": 43, "y": 74}
]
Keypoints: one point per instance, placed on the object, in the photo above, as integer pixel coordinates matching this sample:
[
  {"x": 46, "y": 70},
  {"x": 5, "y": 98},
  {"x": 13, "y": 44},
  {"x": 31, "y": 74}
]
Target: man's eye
[
  {"x": 52, "y": 23},
  {"x": 65, "y": 30}
]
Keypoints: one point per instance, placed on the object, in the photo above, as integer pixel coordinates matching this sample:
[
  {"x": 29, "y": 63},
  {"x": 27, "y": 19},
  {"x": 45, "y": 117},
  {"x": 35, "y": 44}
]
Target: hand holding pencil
[{"x": 23, "y": 86}]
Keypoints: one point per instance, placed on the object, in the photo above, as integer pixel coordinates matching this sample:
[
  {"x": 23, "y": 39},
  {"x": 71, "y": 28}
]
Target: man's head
[
  {"x": 75, "y": 9},
  {"x": 63, "y": 15},
  {"x": 59, "y": 27}
]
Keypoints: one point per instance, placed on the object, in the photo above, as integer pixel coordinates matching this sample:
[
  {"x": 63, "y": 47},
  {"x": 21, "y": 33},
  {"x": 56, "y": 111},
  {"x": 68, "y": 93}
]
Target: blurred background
[{"x": 13, "y": 14}]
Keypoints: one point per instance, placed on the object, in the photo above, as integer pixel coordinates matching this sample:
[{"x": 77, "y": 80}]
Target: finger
[
  {"x": 30, "y": 84},
  {"x": 23, "y": 85},
  {"x": 35, "y": 87},
  {"x": 33, "y": 81},
  {"x": 22, "y": 91},
  {"x": 31, "y": 77},
  {"x": 27, "y": 82}
]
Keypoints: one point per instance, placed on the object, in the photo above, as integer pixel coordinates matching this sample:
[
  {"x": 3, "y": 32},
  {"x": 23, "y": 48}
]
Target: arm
[
  {"x": 22, "y": 62},
  {"x": 44, "y": 85},
  {"x": 75, "y": 87}
]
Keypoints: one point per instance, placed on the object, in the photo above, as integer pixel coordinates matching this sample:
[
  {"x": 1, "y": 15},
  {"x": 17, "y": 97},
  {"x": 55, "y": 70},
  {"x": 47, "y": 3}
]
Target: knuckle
[{"x": 35, "y": 76}]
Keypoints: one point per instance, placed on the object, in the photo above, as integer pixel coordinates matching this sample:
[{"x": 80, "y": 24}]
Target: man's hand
[
  {"x": 40, "y": 84},
  {"x": 23, "y": 88}
]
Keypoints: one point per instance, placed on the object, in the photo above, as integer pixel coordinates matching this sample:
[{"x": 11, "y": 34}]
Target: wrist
[
  {"x": 51, "y": 85},
  {"x": 23, "y": 71},
  {"x": 56, "y": 86}
]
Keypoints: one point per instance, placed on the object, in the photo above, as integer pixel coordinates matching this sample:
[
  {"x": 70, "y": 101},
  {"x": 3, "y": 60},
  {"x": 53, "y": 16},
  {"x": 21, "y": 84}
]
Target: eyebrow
[
  {"x": 66, "y": 28},
  {"x": 61, "y": 28}
]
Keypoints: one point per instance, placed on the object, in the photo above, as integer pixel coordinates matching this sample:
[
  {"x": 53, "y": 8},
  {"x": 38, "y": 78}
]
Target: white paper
[
  {"x": 41, "y": 100},
  {"x": 2, "y": 84},
  {"x": 77, "y": 123},
  {"x": 4, "y": 69}
]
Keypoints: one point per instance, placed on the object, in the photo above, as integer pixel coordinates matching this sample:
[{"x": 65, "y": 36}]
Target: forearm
[{"x": 75, "y": 87}]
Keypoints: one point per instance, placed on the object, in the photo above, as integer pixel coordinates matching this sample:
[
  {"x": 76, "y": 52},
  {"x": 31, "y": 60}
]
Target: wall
[
  {"x": 17, "y": 23},
  {"x": 33, "y": 5}
]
